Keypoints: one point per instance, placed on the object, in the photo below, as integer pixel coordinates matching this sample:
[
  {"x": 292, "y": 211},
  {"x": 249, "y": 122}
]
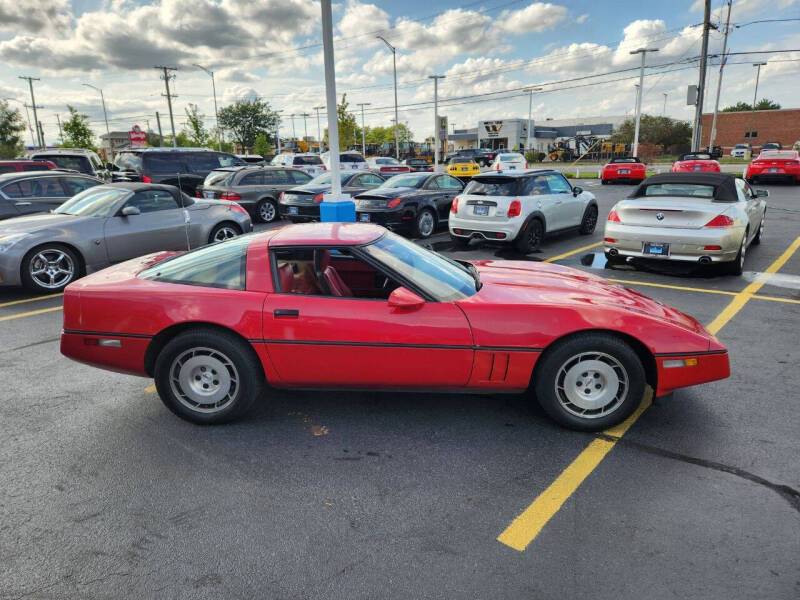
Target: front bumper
[
  {"x": 10, "y": 268},
  {"x": 684, "y": 244},
  {"x": 485, "y": 229},
  {"x": 679, "y": 371}
]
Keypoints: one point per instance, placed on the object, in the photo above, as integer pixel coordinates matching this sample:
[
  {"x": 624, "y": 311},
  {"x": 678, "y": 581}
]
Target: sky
[{"x": 577, "y": 51}]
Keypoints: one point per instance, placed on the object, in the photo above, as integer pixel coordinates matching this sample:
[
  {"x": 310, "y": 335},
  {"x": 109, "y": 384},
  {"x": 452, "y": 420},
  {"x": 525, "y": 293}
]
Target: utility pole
[
  {"x": 758, "y": 66},
  {"x": 30, "y": 81},
  {"x": 105, "y": 116},
  {"x": 160, "y": 135},
  {"x": 278, "y": 130},
  {"x": 305, "y": 126},
  {"x": 396, "y": 119},
  {"x": 41, "y": 134},
  {"x": 166, "y": 77},
  {"x": 294, "y": 133},
  {"x": 701, "y": 87},
  {"x": 216, "y": 112},
  {"x": 319, "y": 128},
  {"x": 60, "y": 132},
  {"x": 363, "y": 129},
  {"x": 530, "y": 125},
  {"x": 643, "y": 52},
  {"x": 664, "y": 111},
  {"x": 722, "y": 62},
  {"x": 436, "y": 79}
]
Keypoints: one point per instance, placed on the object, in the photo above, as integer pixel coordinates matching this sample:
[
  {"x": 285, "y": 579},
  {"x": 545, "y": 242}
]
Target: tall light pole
[
  {"x": 396, "y": 119},
  {"x": 664, "y": 110},
  {"x": 363, "y": 129},
  {"x": 278, "y": 130},
  {"x": 436, "y": 79},
  {"x": 166, "y": 77},
  {"x": 530, "y": 112},
  {"x": 701, "y": 86},
  {"x": 713, "y": 137},
  {"x": 758, "y": 66},
  {"x": 643, "y": 52},
  {"x": 294, "y": 133},
  {"x": 305, "y": 125},
  {"x": 216, "y": 112},
  {"x": 319, "y": 128},
  {"x": 30, "y": 81},
  {"x": 105, "y": 117}
]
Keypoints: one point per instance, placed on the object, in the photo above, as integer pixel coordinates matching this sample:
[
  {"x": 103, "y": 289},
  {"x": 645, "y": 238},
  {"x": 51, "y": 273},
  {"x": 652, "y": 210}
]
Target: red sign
[{"x": 137, "y": 136}]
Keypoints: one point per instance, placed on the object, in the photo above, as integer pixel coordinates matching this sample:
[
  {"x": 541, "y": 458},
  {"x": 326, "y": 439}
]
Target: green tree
[
  {"x": 763, "y": 104},
  {"x": 662, "y": 131},
  {"x": 195, "y": 129},
  {"x": 385, "y": 135},
  {"x": 11, "y": 129},
  {"x": 349, "y": 132},
  {"x": 77, "y": 133},
  {"x": 246, "y": 119},
  {"x": 262, "y": 147}
]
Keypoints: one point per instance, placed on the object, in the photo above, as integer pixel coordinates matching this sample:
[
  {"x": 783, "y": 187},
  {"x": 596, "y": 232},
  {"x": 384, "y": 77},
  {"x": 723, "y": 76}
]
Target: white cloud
[
  {"x": 35, "y": 17},
  {"x": 581, "y": 19},
  {"x": 536, "y": 17}
]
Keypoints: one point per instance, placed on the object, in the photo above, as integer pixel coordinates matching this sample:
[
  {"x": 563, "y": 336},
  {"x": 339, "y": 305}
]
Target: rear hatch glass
[
  {"x": 307, "y": 160},
  {"x": 493, "y": 186},
  {"x": 219, "y": 178},
  {"x": 74, "y": 163}
]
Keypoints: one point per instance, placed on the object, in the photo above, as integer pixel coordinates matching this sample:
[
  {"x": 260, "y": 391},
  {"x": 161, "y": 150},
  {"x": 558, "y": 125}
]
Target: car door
[
  {"x": 250, "y": 186},
  {"x": 161, "y": 225},
  {"x": 751, "y": 204},
  {"x": 572, "y": 206},
  {"x": 537, "y": 197},
  {"x": 317, "y": 339}
]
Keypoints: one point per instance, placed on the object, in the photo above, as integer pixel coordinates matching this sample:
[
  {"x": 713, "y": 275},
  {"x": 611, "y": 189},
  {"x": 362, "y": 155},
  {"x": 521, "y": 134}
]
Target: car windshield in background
[
  {"x": 624, "y": 160},
  {"x": 94, "y": 202},
  {"x": 351, "y": 158},
  {"x": 692, "y": 190},
  {"x": 307, "y": 160},
  {"x": 411, "y": 180},
  {"x": 492, "y": 186},
  {"x": 696, "y": 157},
  {"x": 219, "y": 178},
  {"x": 73, "y": 163},
  {"x": 444, "y": 280},
  {"x": 779, "y": 154},
  {"x": 387, "y": 161},
  {"x": 325, "y": 178},
  {"x": 509, "y": 157}
]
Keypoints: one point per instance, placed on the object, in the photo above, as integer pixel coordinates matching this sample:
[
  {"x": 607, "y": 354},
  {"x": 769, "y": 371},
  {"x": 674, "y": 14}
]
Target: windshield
[
  {"x": 218, "y": 178},
  {"x": 625, "y": 160},
  {"x": 95, "y": 202},
  {"x": 411, "y": 180},
  {"x": 492, "y": 186},
  {"x": 441, "y": 278},
  {"x": 779, "y": 154},
  {"x": 696, "y": 157},
  {"x": 693, "y": 190},
  {"x": 509, "y": 157},
  {"x": 387, "y": 161},
  {"x": 307, "y": 160},
  {"x": 74, "y": 163}
]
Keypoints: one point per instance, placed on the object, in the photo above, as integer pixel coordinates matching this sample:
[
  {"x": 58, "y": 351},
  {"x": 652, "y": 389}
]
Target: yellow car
[{"x": 463, "y": 167}]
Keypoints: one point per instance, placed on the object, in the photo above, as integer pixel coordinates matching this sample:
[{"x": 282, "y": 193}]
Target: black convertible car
[
  {"x": 301, "y": 203},
  {"x": 415, "y": 203}
]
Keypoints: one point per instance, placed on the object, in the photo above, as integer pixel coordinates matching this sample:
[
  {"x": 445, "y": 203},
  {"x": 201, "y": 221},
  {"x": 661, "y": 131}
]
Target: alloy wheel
[
  {"x": 52, "y": 269},
  {"x": 591, "y": 385},
  {"x": 425, "y": 224},
  {"x": 225, "y": 233},
  {"x": 267, "y": 212},
  {"x": 204, "y": 380}
]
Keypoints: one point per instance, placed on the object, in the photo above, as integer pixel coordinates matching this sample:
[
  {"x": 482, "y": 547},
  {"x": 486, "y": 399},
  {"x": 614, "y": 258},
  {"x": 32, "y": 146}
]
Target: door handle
[
  {"x": 286, "y": 313},
  {"x": 22, "y": 203}
]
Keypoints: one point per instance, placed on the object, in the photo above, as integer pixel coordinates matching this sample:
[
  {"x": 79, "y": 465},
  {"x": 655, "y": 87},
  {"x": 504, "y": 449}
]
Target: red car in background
[
  {"x": 695, "y": 163},
  {"x": 22, "y": 164},
  {"x": 628, "y": 170},
  {"x": 348, "y": 305},
  {"x": 781, "y": 165}
]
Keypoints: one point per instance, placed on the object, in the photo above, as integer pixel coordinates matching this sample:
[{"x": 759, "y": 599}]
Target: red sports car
[
  {"x": 630, "y": 170},
  {"x": 346, "y": 305},
  {"x": 775, "y": 165},
  {"x": 695, "y": 163}
]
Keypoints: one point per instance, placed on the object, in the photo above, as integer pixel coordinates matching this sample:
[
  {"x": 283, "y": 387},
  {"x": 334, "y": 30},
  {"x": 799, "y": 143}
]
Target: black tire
[
  {"x": 248, "y": 373},
  {"x": 266, "y": 211},
  {"x": 759, "y": 234},
  {"x": 751, "y": 180},
  {"x": 231, "y": 230},
  {"x": 736, "y": 266},
  {"x": 36, "y": 261},
  {"x": 530, "y": 238},
  {"x": 604, "y": 181},
  {"x": 613, "y": 261},
  {"x": 589, "y": 221},
  {"x": 459, "y": 242},
  {"x": 424, "y": 224},
  {"x": 553, "y": 369}
]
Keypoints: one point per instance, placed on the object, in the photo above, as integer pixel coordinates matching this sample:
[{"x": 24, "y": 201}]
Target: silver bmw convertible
[
  {"x": 107, "y": 224},
  {"x": 695, "y": 217}
]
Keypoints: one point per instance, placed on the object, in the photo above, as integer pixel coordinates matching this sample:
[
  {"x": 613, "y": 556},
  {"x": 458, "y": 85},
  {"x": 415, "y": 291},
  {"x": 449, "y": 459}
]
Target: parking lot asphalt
[{"x": 105, "y": 494}]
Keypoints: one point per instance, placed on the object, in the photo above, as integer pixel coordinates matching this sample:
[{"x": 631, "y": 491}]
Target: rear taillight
[
  {"x": 393, "y": 203},
  {"x": 610, "y": 240},
  {"x": 613, "y": 217},
  {"x": 454, "y": 205},
  {"x": 526, "y": 164},
  {"x": 281, "y": 196},
  {"x": 318, "y": 198},
  {"x": 720, "y": 221},
  {"x": 514, "y": 209},
  {"x": 147, "y": 179},
  {"x": 197, "y": 194},
  {"x": 232, "y": 196},
  {"x": 497, "y": 166},
  {"x": 792, "y": 163}
]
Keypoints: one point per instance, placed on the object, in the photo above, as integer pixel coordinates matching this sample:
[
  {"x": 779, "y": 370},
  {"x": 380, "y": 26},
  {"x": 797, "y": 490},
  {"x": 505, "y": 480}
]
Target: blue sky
[{"x": 483, "y": 47}]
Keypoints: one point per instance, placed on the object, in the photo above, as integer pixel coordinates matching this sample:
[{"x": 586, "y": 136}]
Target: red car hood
[{"x": 516, "y": 282}]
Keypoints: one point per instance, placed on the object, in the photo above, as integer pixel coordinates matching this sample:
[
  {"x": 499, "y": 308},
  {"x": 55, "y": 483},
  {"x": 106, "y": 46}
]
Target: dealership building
[
  {"x": 513, "y": 133},
  {"x": 753, "y": 127}
]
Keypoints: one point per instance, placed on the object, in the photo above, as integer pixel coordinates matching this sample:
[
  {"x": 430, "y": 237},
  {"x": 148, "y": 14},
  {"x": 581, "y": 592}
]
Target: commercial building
[{"x": 753, "y": 127}]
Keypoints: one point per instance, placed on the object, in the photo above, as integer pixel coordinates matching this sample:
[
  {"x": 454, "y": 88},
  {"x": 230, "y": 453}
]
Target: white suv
[
  {"x": 349, "y": 160},
  {"x": 521, "y": 208},
  {"x": 306, "y": 161}
]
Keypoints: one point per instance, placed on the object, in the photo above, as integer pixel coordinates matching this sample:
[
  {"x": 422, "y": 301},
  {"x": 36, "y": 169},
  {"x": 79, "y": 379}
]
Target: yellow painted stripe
[
  {"x": 150, "y": 389},
  {"x": 26, "y": 300},
  {"x": 572, "y": 252},
  {"x": 31, "y": 313},
  {"x": 682, "y": 288},
  {"x": 524, "y": 529},
  {"x": 775, "y": 299}
]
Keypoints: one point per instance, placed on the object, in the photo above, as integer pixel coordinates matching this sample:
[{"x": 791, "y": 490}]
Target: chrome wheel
[
  {"x": 204, "y": 380},
  {"x": 425, "y": 224},
  {"x": 267, "y": 212},
  {"x": 225, "y": 232},
  {"x": 743, "y": 251},
  {"x": 591, "y": 385},
  {"x": 51, "y": 268}
]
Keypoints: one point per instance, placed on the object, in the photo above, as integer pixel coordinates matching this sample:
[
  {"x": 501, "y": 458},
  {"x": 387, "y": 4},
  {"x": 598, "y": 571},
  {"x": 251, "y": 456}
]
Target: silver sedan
[
  {"x": 694, "y": 217},
  {"x": 107, "y": 224}
]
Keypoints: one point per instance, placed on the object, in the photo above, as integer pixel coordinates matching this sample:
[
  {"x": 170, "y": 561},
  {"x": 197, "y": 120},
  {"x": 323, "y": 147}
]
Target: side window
[
  {"x": 7, "y": 169},
  {"x": 48, "y": 187},
  {"x": 369, "y": 180},
  {"x": 535, "y": 186},
  {"x": 741, "y": 191},
  {"x": 450, "y": 183},
  {"x": 227, "y": 160},
  {"x": 75, "y": 185},
  {"x": 294, "y": 272},
  {"x": 251, "y": 179},
  {"x": 153, "y": 201},
  {"x": 15, "y": 190},
  {"x": 278, "y": 177},
  {"x": 557, "y": 183},
  {"x": 433, "y": 184},
  {"x": 299, "y": 177},
  {"x": 32, "y": 168}
]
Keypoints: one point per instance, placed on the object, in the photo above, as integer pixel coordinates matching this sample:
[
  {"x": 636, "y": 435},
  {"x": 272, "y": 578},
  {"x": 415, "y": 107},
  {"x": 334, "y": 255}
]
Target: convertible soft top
[{"x": 724, "y": 184}]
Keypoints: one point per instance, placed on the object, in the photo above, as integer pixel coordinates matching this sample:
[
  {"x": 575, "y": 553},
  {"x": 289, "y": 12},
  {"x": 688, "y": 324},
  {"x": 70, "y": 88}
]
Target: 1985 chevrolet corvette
[{"x": 334, "y": 305}]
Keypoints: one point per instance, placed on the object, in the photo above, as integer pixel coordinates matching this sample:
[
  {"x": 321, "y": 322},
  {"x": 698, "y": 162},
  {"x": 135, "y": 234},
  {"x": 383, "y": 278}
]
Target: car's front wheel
[
  {"x": 266, "y": 211},
  {"x": 224, "y": 231},
  {"x": 207, "y": 376},
  {"x": 589, "y": 221},
  {"x": 590, "y": 382},
  {"x": 50, "y": 268}
]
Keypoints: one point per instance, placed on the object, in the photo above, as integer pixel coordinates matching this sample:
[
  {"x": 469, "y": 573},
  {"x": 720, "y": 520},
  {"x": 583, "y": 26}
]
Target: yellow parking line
[
  {"x": 26, "y": 300},
  {"x": 524, "y": 529},
  {"x": 31, "y": 313},
  {"x": 682, "y": 288},
  {"x": 776, "y": 299},
  {"x": 572, "y": 252}
]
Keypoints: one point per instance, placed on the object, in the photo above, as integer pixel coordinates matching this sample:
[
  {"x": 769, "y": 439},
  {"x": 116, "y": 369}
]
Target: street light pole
[
  {"x": 363, "y": 129},
  {"x": 305, "y": 126},
  {"x": 664, "y": 111},
  {"x": 396, "y": 119},
  {"x": 701, "y": 86},
  {"x": 30, "y": 81},
  {"x": 713, "y": 137},
  {"x": 278, "y": 130},
  {"x": 319, "y": 128},
  {"x": 216, "y": 112},
  {"x": 758, "y": 66},
  {"x": 643, "y": 52},
  {"x": 436, "y": 79},
  {"x": 105, "y": 117},
  {"x": 530, "y": 112},
  {"x": 294, "y": 133}
]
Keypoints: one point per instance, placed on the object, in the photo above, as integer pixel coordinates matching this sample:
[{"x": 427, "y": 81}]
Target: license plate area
[
  {"x": 624, "y": 171},
  {"x": 774, "y": 170},
  {"x": 481, "y": 211},
  {"x": 293, "y": 210},
  {"x": 363, "y": 217},
  {"x": 208, "y": 195},
  {"x": 655, "y": 249}
]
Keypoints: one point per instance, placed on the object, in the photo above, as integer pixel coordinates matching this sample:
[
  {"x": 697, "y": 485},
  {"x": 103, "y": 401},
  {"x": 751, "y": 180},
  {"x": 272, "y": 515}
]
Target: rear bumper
[
  {"x": 396, "y": 220},
  {"x": 616, "y": 176},
  {"x": 684, "y": 244},
  {"x": 764, "y": 173},
  {"x": 482, "y": 229},
  {"x": 300, "y": 212},
  {"x": 120, "y": 353},
  {"x": 679, "y": 371}
]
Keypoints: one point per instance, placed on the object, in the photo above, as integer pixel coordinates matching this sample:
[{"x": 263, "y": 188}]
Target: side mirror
[
  {"x": 762, "y": 193},
  {"x": 577, "y": 190},
  {"x": 130, "y": 211},
  {"x": 405, "y": 299}
]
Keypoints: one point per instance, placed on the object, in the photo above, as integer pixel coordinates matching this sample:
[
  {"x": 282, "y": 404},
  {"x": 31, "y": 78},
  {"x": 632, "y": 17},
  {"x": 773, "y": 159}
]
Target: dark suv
[
  {"x": 185, "y": 168},
  {"x": 482, "y": 156}
]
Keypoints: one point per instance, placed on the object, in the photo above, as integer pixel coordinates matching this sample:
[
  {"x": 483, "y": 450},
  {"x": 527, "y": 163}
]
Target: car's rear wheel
[
  {"x": 757, "y": 240},
  {"x": 530, "y": 238},
  {"x": 604, "y": 181},
  {"x": 266, "y": 211},
  {"x": 224, "y": 231},
  {"x": 589, "y": 221},
  {"x": 50, "y": 268},
  {"x": 736, "y": 266},
  {"x": 425, "y": 224},
  {"x": 590, "y": 382},
  {"x": 208, "y": 376}
]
